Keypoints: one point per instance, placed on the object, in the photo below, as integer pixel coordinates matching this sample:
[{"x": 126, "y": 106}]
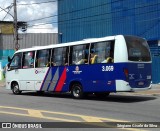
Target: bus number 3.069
[
  {"x": 107, "y": 68},
  {"x": 97, "y": 66}
]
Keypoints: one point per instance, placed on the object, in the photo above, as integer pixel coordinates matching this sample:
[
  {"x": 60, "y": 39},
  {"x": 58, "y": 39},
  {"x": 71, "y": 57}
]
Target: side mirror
[{"x": 9, "y": 59}]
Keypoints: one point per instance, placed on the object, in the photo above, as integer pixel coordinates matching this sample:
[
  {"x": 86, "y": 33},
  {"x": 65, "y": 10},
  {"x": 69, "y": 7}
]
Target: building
[
  {"x": 7, "y": 27},
  {"x": 6, "y": 34},
  {"x": 7, "y": 47},
  {"x": 80, "y": 19}
]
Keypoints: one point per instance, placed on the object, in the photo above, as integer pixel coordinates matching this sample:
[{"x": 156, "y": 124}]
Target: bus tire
[
  {"x": 15, "y": 88},
  {"x": 77, "y": 91}
]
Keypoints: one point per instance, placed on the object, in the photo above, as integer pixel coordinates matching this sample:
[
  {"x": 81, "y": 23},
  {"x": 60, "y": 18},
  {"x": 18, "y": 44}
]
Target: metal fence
[
  {"x": 28, "y": 40},
  {"x": 7, "y": 47}
]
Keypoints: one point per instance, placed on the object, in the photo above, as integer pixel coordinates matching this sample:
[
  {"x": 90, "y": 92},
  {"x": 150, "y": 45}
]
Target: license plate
[{"x": 141, "y": 83}]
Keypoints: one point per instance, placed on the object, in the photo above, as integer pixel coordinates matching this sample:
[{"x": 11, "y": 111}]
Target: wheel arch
[
  {"x": 14, "y": 81},
  {"x": 75, "y": 82}
]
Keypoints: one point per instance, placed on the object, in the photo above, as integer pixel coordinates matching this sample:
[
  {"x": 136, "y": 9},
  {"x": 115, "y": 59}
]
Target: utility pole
[{"x": 15, "y": 26}]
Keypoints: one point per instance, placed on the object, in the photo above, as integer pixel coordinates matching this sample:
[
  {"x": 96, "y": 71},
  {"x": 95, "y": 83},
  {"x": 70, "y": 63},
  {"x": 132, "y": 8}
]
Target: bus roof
[{"x": 90, "y": 40}]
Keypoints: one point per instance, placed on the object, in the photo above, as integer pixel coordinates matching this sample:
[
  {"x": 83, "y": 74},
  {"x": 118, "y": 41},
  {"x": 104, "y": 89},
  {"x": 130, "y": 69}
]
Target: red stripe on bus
[{"x": 61, "y": 81}]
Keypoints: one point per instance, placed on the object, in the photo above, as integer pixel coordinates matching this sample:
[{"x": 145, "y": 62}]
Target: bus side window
[
  {"x": 60, "y": 56},
  {"x": 43, "y": 58},
  {"x": 16, "y": 62},
  {"x": 102, "y": 52},
  {"x": 28, "y": 59},
  {"x": 79, "y": 54}
]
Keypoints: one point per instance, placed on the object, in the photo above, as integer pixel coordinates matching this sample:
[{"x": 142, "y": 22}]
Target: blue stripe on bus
[
  {"x": 99, "y": 80},
  {"x": 45, "y": 79},
  {"x": 55, "y": 70}
]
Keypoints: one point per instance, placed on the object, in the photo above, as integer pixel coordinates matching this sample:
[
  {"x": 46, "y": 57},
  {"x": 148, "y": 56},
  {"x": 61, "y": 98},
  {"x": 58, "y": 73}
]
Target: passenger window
[
  {"x": 102, "y": 52},
  {"x": 16, "y": 62},
  {"x": 60, "y": 56},
  {"x": 43, "y": 58},
  {"x": 28, "y": 59},
  {"x": 79, "y": 54}
]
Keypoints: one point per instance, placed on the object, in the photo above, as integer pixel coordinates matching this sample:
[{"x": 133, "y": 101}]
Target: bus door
[
  {"x": 42, "y": 71},
  {"x": 27, "y": 72}
]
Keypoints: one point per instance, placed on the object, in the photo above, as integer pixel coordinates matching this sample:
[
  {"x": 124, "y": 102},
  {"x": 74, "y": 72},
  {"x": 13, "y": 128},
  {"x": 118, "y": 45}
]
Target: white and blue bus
[{"x": 100, "y": 66}]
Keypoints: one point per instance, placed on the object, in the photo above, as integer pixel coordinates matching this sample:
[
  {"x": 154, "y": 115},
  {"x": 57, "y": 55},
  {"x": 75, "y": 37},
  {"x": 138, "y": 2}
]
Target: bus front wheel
[
  {"x": 15, "y": 89},
  {"x": 77, "y": 91}
]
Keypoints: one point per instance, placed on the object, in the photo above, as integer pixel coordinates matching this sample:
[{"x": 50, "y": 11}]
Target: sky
[{"x": 40, "y": 15}]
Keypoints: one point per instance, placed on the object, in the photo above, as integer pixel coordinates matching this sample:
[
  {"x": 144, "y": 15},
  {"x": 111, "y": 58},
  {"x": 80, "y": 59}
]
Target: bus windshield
[{"x": 138, "y": 49}]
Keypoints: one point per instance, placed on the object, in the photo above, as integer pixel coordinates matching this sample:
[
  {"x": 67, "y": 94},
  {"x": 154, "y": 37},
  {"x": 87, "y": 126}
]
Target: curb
[{"x": 141, "y": 93}]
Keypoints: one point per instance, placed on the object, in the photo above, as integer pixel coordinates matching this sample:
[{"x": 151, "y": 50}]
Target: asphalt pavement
[{"x": 141, "y": 106}]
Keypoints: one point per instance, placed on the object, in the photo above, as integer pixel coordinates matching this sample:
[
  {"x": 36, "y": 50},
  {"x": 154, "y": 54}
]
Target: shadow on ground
[{"x": 111, "y": 98}]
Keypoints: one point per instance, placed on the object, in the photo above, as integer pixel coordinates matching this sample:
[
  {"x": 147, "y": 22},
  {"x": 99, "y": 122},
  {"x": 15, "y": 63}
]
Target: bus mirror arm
[{"x": 9, "y": 59}]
